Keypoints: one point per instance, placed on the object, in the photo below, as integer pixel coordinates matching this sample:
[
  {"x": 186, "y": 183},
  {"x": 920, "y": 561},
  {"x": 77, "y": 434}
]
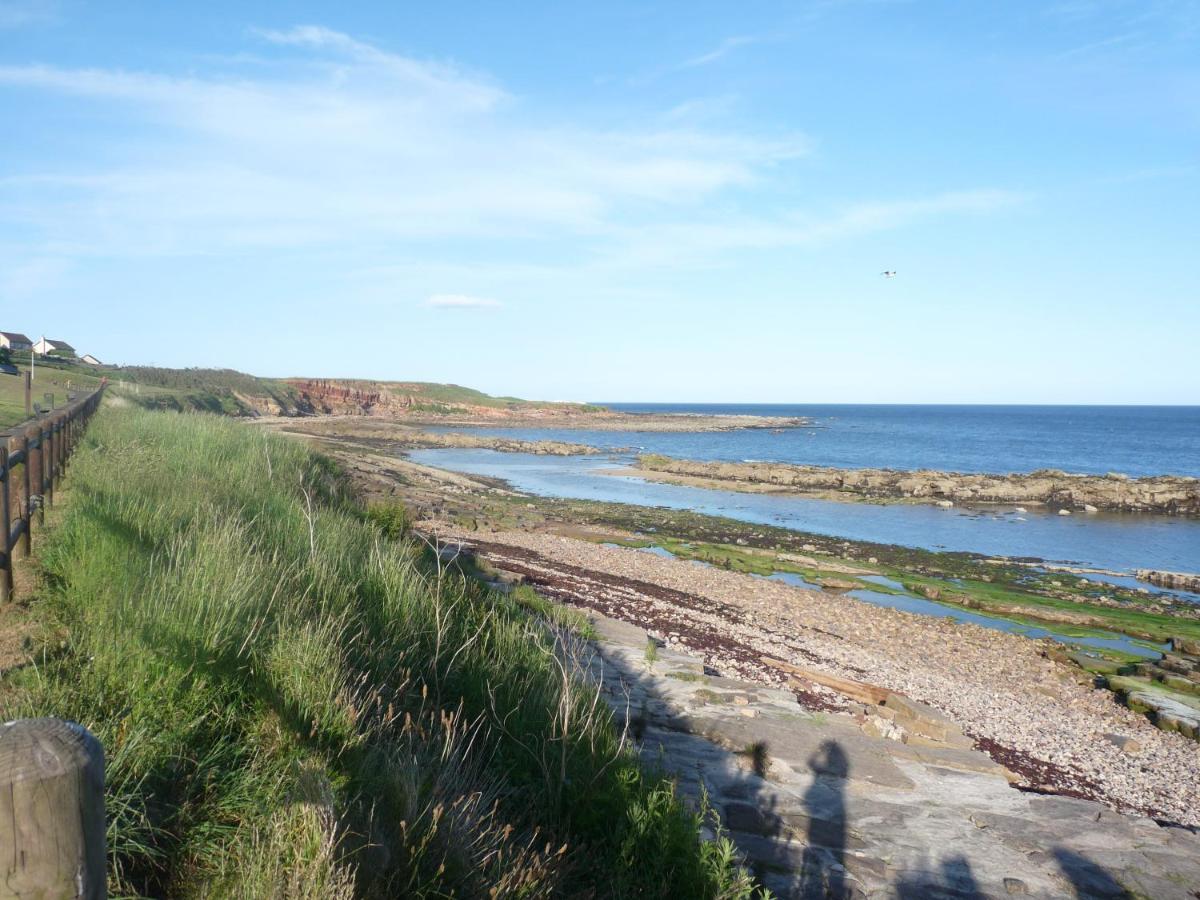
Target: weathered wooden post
[
  {"x": 51, "y": 811},
  {"x": 6, "y": 577},
  {"x": 42, "y": 459},
  {"x": 27, "y": 500},
  {"x": 29, "y": 390}
]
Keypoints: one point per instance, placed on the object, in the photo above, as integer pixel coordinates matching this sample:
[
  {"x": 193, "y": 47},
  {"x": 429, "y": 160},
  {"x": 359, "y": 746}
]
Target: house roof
[
  {"x": 58, "y": 345},
  {"x": 16, "y": 337}
]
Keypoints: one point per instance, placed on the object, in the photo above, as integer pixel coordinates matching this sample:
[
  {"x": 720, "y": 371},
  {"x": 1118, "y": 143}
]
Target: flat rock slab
[
  {"x": 797, "y": 743},
  {"x": 819, "y": 808}
]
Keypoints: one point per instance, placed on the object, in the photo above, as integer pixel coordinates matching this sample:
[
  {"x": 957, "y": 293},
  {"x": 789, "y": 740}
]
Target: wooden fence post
[
  {"x": 27, "y": 499},
  {"x": 43, "y": 458},
  {"x": 52, "y": 455},
  {"x": 6, "y": 577},
  {"x": 51, "y": 811}
]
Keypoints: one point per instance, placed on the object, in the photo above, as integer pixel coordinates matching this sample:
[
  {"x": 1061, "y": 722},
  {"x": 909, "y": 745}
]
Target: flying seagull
[{"x": 890, "y": 273}]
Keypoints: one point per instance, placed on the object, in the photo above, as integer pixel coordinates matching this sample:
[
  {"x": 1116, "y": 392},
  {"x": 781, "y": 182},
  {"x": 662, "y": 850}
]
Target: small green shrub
[
  {"x": 392, "y": 519},
  {"x": 651, "y": 651}
]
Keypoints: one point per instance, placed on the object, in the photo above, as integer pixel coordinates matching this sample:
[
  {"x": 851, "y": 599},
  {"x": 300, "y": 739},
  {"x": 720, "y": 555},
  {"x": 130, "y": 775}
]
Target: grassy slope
[
  {"x": 294, "y": 704},
  {"x": 221, "y": 391},
  {"x": 48, "y": 378},
  {"x": 229, "y": 392}
]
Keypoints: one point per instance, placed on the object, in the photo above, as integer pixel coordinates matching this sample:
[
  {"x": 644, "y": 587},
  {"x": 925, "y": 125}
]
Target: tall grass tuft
[{"x": 296, "y": 703}]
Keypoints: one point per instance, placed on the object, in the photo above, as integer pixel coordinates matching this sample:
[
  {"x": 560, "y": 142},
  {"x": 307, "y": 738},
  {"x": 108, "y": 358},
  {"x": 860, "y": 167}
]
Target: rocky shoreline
[
  {"x": 549, "y": 418},
  {"x": 1165, "y": 494},
  {"x": 1024, "y": 702},
  {"x": 1180, "y": 581},
  {"x": 384, "y": 434},
  {"x": 888, "y": 799},
  {"x": 1041, "y": 718},
  {"x": 609, "y": 420}
]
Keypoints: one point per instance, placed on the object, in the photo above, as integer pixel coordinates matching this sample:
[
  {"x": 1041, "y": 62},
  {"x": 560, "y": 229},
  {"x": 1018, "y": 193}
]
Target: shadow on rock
[
  {"x": 1088, "y": 879},
  {"x": 953, "y": 878},
  {"x": 824, "y": 868}
]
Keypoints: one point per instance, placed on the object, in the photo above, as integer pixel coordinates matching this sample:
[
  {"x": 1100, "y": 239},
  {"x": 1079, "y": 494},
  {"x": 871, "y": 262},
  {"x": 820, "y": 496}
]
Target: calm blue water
[
  {"x": 1119, "y": 543},
  {"x": 1134, "y": 440}
]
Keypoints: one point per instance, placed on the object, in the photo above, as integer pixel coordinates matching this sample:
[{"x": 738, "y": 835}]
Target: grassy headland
[
  {"x": 296, "y": 700},
  {"x": 223, "y": 391}
]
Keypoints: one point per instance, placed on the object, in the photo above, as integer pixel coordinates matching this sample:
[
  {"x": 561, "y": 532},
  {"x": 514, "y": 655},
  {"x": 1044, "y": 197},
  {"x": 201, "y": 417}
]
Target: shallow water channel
[
  {"x": 911, "y": 603},
  {"x": 1119, "y": 543}
]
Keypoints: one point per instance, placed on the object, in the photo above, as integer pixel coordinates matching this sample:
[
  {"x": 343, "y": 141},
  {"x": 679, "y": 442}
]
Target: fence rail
[{"x": 33, "y": 456}]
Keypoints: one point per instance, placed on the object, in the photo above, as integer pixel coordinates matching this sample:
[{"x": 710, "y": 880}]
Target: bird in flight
[{"x": 890, "y": 273}]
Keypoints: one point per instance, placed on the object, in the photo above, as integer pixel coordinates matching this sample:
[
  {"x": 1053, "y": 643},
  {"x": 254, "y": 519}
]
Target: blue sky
[{"x": 680, "y": 201}]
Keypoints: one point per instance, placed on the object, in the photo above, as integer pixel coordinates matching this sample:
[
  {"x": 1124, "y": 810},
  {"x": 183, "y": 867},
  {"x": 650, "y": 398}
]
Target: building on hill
[
  {"x": 14, "y": 340},
  {"x": 45, "y": 347},
  {"x": 90, "y": 360}
]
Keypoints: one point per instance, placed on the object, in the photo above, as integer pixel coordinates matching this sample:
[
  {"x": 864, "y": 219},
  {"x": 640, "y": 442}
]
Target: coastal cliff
[{"x": 1166, "y": 494}]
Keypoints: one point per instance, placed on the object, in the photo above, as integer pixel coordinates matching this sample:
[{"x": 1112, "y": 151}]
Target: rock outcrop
[
  {"x": 385, "y": 433},
  {"x": 1180, "y": 581},
  {"x": 1172, "y": 495},
  {"x": 891, "y": 801}
]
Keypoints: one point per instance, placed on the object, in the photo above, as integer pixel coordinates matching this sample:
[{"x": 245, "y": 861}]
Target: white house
[
  {"x": 14, "y": 340},
  {"x": 46, "y": 347},
  {"x": 91, "y": 360}
]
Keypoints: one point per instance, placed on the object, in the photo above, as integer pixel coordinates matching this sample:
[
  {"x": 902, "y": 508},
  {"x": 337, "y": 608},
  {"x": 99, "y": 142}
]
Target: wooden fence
[{"x": 33, "y": 456}]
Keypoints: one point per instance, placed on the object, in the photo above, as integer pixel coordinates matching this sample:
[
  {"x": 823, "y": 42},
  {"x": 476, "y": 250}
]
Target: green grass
[
  {"x": 221, "y": 391},
  {"x": 292, "y": 703},
  {"x": 231, "y": 393},
  {"x": 49, "y": 378},
  {"x": 1128, "y": 619}
]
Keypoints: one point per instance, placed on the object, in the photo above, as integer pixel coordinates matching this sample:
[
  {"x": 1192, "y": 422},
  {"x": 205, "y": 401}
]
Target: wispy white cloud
[
  {"x": 473, "y": 89},
  {"x": 1126, "y": 25},
  {"x": 340, "y": 141},
  {"x": 336, "y": 144},
  {"x": 1128, "y": 40},
  {"x": 721, "y": 51},
  {"x": 20, "y": 13},
  {"x": 461, "y": 301},
  {"x": 709, "y": 238},
  {"x": 700, "y": 109}
]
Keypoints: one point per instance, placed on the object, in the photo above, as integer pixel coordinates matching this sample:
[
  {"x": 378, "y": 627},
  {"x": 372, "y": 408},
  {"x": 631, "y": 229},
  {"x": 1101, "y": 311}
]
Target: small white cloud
[{"x": 461, "y": 301}]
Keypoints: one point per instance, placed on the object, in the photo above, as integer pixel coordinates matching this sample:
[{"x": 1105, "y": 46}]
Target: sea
[{"x": 1132, "y": 440}]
